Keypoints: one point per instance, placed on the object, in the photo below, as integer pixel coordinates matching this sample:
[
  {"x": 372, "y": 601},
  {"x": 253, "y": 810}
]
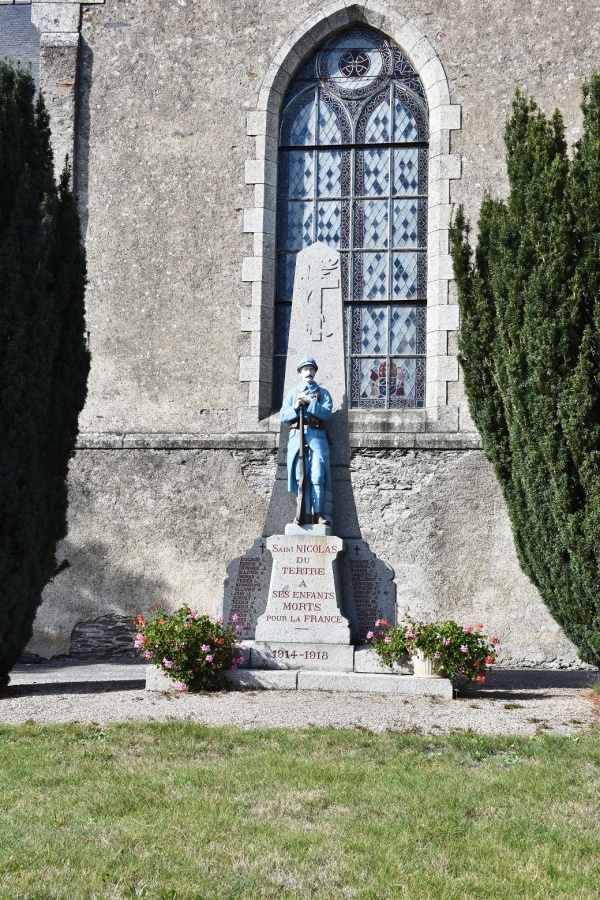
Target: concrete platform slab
[
  {"x": 269, "y": 679},
  {"x": 376, "y": 684},
  {"x": 368, "y": 662},
  {"x": 156, "y": 680},
  {"x": 266, "y": 679},
  {"x": 324, "y": 530},
  {"x": 305, "y": 679}
]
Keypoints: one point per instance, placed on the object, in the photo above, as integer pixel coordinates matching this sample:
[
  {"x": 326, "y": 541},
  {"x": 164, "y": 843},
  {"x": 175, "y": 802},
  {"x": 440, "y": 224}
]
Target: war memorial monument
[{"x": 322, "y": 589}]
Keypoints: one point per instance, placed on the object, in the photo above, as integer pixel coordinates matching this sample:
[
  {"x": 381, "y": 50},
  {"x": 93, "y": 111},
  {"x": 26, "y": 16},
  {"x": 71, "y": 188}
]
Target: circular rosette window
[{"x": 355, "y": 64}]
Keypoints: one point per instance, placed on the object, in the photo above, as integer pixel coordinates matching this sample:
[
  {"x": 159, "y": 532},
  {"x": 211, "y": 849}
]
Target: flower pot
[{"x": 424, "y": 666}]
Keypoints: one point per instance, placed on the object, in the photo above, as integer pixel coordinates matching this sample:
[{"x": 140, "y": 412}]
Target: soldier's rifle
[{"x": 302, "y": 481}]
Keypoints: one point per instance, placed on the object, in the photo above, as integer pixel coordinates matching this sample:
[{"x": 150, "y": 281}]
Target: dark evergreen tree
[
  {"x": 43, "y": 358},
  {"x": 530, "y": 334}
]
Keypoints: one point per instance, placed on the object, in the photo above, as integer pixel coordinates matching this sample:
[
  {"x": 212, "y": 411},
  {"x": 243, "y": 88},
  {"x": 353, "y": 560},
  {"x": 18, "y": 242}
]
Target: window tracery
[{"x": 353, "y": 173}]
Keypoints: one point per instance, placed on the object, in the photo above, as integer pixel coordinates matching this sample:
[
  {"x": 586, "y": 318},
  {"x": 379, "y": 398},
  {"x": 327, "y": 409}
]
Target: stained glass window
[{"x": 353, "y": 174}]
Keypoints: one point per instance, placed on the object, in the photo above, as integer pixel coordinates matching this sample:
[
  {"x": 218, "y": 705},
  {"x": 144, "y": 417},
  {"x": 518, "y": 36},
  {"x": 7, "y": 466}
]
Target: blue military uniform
[{"x": 316, "y": 459}]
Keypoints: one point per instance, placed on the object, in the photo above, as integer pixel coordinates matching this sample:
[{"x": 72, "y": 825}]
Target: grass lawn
[{"x": 179, "y": 810}]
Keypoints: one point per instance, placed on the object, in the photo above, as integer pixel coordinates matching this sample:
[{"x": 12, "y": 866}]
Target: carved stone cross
[{"x": 316, "y": 273}]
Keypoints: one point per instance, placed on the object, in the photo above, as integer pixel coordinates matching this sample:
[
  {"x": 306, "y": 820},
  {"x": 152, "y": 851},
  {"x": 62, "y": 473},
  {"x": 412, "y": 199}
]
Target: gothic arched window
[{"x": 353, "y": 174}]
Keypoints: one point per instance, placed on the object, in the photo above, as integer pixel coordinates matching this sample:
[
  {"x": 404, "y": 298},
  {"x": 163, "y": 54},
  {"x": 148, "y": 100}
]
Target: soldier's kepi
[{"x": 306, "y": 408}]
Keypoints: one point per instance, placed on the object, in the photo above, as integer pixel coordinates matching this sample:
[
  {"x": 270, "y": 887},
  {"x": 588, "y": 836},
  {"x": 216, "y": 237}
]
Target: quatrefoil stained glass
[{"x": 353, "y": 174}]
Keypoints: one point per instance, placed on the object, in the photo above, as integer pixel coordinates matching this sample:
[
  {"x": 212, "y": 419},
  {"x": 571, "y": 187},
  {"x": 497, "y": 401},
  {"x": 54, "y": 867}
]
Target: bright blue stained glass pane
[
  {"x": 329, "y": 181},
  {"x": 404, "y": 276},
  {"x": 376, "y": 172},
  {"x": 329, "y": 217},
  {"x": 373, "y": 329},
  {"x": 403, "y": 330},
  {"x": 406, "y": 171},
  {"x": 379, "y": 126},
  {"x": 375, "y": 224},
  {"x": 405, "y": 223},
  {"x": 299, "y": 226},
  {"x": 302, "y": 128},
  {"x": 405, "y": 125},
  {"x": 374, "y": 276},
  {"x": 330, "y": 131},
  {"x": 300, "y": 173}
]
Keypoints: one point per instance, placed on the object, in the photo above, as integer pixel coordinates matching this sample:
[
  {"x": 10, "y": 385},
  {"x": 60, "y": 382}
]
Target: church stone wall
[
  {"x": 166, "y": 487},
  {"x": 148, "y": 527},
  {"x": 439, "y": 519},
  {"x": 160, "y": 526}
]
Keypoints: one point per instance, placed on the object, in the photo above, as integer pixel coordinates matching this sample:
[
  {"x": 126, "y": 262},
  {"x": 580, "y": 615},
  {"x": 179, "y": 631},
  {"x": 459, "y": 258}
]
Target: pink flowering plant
[
  {"x": 458, "y": 651},
  {"x": 191, "y": 649}
]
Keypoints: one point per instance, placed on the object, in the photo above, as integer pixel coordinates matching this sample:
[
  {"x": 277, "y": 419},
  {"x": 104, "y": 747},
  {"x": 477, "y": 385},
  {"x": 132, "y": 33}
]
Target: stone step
[
  {"x": 374, "y": 684},
  {"x": 307, "y": 680}
]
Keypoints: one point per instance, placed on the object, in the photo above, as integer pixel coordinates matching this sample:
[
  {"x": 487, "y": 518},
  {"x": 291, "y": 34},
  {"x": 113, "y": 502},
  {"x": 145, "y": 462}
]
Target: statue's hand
[{"x": 302, "y": 400}]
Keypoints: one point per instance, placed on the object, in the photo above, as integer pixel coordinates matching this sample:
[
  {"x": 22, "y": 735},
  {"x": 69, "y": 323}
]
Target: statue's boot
[{"x": 319, "y": 519}]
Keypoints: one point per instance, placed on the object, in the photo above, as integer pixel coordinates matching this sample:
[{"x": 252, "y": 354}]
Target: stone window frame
[{"x": 368, "y": 428}]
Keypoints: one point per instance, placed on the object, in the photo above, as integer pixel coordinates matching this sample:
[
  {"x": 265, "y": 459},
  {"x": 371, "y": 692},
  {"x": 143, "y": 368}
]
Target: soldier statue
[{"x": 306, "y": 409}]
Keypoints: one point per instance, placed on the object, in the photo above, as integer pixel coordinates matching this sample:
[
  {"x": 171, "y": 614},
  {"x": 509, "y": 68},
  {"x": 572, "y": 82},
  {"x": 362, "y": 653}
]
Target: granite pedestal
[{"x": 304, "y": 602}]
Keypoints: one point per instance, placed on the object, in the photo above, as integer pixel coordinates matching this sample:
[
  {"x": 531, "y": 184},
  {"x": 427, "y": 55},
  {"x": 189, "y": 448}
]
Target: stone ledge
[
  {"x": 429, "y": 441},
  {"x": 195, "y": 442},
  {"x": 100, "y": 441},
  {"x": 367, "y": 662},
  {"x": 342, "y": 682},
  {"x": 258, "y": 440},
  {"x": 255, "y": 435},
  {"x": 387, "y": 421},
  {"x": 156, "y": 680},
  {"x": 269, "y": 679},
  {"x": 59, "y": 39},
  {"x": 374, "y": 684}
]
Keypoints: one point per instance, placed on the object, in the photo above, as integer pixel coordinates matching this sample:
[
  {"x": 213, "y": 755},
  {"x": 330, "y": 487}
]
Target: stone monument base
[
  {"x": 367, "y": 586},
  {"x": 272, "y": 666},
  {"x": 323, "y": 657},
  {"x": 312, "y": 680},
  {"x": 304, "y": 603},
  {"x": 324, "y": 530}
]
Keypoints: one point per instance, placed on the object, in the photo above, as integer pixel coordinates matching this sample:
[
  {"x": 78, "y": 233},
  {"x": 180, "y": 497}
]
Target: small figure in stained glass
[{"x": 316, "y": 405}]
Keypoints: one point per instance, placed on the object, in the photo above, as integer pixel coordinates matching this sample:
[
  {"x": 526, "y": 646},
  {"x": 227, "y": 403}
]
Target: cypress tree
[
  {"x": 529, "y": 297},
  {"x": 43, "y": 358}
]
